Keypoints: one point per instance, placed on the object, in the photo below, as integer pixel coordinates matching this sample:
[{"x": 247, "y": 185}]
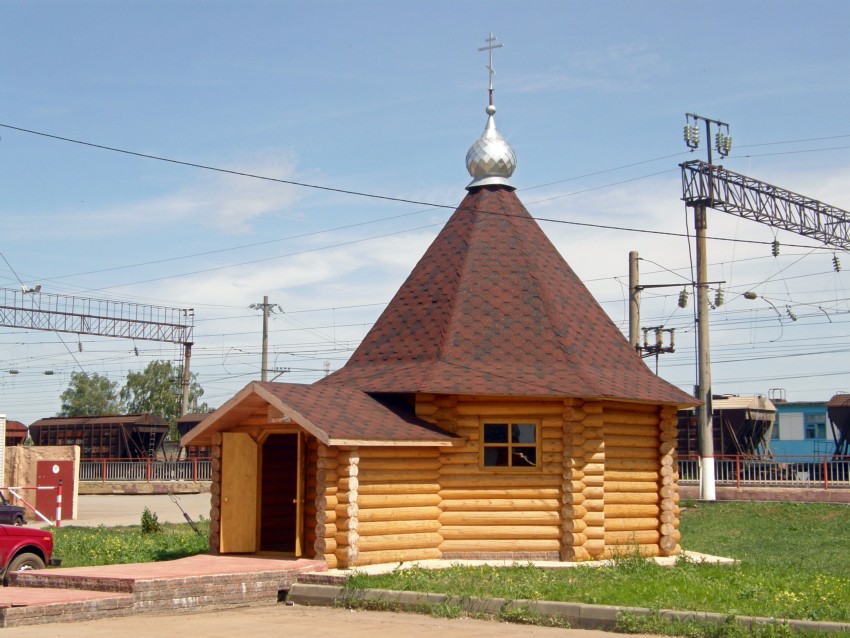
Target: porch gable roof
[{"x": 335, "y": 415}]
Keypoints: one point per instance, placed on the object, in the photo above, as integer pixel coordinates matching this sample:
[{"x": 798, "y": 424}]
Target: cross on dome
[{"x": 490, "y": 160}]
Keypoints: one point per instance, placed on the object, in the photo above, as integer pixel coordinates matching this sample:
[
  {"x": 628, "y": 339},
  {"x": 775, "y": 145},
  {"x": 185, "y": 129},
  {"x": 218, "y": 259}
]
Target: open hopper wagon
[
  {"x": 741, "y": 427},
  {"x": 838, "y": 410},
  {"x": 129, "y": 436}
]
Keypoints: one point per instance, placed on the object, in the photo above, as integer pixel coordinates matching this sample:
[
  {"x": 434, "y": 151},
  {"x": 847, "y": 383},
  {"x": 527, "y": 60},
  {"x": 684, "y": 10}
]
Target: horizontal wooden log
[
  {"x": 399, "y": 514},
  {"x": 553, "y": 445},
  {"x": 370, "y": 501},
  {"x": 367, "y": 453},
  {"x": 324, "y": 545},
  {"x": 325, "y": 529},
  {"x": 597, "y": 456},
  {"x": 501, "y": 505},
  {"x": 668, "y": 545},
  {"x": 524, "y": 409},
  {"x": 595, "y": 547},
  {"x": 632, "y": 419},
  {"x": 577, "y": 510},
  {"x": 499, "y": 492},
  {"x": 629, "y": 486},
  {"x": 593, "y": 493},
  {"x": 399, "y": 541},
  {"x": 346, "y": 510},
  {"x": 626, "y": 476},
  {"x": 615, "y": 464},
  {"x": 399, "y": 488},
  {"x": 632, "y": 498},
  {"x": 575, "y": 526},
  {"x": 346, "y": 556},
  {"x": 630, "y": 442},
  {"x": 668, "y": 517},
  {"x": 630, "y": 524},
  {"x": 388, "y": 476},
  {"x": 326, "y": 502},
  {"x": 465, "y": 470},
  {"x": 494, "y": 480},
  {"x": 396, "y": 556},
  {"x": 631, "y": 511},
  {"x": 594, "y": 480},
  {"x": 346, "y": 484},
  {"x": 500, "y": 545},
  {"x": 492, "y": 532},
  {"x": 330, "y": 560},
  {"x": 462, "y": 457},
  {"x": 411, "y": 464},
  {"x": 384, "y": 528},
  {"x": 500, "y": 518},
  {"x": 618, "y": 452},
  {"x": 592, "y": 532},
  {"x": 596, "y": 519}
]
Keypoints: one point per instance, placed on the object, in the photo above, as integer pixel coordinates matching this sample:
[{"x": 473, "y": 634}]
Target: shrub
[{"x": 150, "y": 522}]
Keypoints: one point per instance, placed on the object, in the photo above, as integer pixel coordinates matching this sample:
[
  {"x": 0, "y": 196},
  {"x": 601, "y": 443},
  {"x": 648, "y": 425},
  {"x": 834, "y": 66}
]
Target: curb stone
[{"x": 578, "y": 615}]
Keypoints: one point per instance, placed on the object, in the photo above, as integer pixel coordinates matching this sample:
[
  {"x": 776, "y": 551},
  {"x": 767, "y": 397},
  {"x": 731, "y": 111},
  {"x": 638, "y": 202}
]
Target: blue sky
[{"x": 385, "y": 98}]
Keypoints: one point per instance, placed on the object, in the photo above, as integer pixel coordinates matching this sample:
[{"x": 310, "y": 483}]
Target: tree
[
  {"x": 158, "y": 389},
  {"x": 90, "y": 394}
]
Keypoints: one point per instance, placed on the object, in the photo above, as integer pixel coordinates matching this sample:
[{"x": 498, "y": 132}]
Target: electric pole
[
  {"x": 704, "y": 412},
  {"x": 634, "y": 300},
  {"x": 264, "y": 365}
]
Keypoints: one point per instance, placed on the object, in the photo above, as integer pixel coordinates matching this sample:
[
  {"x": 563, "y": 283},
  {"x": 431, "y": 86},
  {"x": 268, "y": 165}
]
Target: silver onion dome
[{"x": 490, "y": 160}]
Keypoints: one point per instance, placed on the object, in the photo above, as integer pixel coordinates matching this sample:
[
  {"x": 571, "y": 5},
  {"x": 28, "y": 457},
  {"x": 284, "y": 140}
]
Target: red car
[{"x": 23, "y": 548}]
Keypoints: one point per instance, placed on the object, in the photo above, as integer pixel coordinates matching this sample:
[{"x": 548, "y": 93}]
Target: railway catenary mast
[
  {"x": 704, "y": 186},
  {"x": 32, "y": 309}
]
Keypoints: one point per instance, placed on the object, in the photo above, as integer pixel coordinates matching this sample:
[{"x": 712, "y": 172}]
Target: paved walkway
[
  {"x": 280, "y": 620},
  {"x": 126, "y": 509}
]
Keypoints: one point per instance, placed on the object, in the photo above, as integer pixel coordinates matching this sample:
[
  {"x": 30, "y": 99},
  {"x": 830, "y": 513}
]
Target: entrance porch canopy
[{"x": 336, "y": 415}]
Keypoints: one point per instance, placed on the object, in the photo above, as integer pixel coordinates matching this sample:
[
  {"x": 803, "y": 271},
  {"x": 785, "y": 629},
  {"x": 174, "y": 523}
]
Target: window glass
[
  {"x": 523, "y": 433},
  {"x": 496, "y": 433},
  {"x": 496, "y": 457},
  {"x": 509, "y": 445},
  {"x": 524, "y": 456}
]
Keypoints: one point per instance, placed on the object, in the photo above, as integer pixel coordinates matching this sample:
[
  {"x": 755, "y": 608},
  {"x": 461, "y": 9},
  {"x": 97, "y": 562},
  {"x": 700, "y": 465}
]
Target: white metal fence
[
  {"x": 819, "y": 471},
  {"x": 146, "y": 470}
]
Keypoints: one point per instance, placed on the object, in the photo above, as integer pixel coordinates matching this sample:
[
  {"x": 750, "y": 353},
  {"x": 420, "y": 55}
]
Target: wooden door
[
  {"x": 281, "y": 495},
  {"x": 238, "y": 493}
]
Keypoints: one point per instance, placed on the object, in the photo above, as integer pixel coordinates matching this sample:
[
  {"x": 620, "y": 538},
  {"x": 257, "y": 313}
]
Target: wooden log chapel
[{"x": 492, "y": 411}]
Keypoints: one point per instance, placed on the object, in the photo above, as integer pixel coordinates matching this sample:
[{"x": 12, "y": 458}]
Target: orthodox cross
[{"x": 490, "y": 46}]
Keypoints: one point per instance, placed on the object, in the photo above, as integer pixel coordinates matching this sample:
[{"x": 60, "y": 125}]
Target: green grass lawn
[
  {"x": 87, "y": 546},
  {"x": 794, "y": 563}
]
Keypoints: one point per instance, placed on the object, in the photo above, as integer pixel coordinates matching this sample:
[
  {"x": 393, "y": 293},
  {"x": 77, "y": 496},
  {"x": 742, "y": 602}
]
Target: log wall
[
  {"x": 215, "y": 494},
  {"x": 634, "y": 486},
  {"x": 398, "y": 506},
  {"x": 606, "y": 484},
  {"x": 497, "y": 514}
]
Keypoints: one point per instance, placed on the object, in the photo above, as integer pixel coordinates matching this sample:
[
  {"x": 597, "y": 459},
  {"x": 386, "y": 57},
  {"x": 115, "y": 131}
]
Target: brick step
[
  {"x": 201, "y": 583},
  {"x": 21, "y": 606}
]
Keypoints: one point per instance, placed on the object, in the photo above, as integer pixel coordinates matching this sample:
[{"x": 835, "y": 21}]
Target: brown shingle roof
[
  {"x": 333, "y": 414},
  {"x": 492, "y": 308}
]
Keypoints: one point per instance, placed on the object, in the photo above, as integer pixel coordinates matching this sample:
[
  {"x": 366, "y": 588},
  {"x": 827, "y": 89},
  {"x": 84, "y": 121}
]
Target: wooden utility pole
[
  {"x": 634, "y": 300},
  {"x": 264, "y": 365}
]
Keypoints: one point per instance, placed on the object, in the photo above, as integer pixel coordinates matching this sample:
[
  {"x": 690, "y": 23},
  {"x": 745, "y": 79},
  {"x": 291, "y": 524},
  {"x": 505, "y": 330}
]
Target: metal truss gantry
[
  {"x": 32, "y": 309},
  {"x": 35, "y": 310},
  {"x": 715, "y": 187}
]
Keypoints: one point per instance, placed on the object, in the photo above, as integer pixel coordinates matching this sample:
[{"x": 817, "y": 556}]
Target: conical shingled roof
[{"x": 493, "y": 309}]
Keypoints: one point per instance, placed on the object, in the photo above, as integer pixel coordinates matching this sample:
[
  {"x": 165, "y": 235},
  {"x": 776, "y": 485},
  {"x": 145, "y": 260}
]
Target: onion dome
[{"x": 490, "y": 159}]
